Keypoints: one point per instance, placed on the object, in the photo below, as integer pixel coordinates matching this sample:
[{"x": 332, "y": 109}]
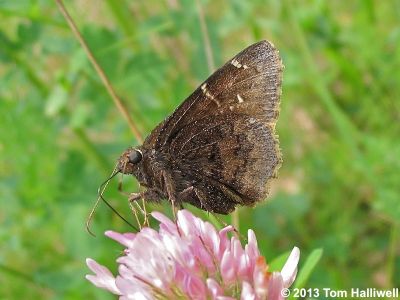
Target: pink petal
[
  {"x": 244, "y": 271},
  {"x": 150, "y": 260},
  {"x": 125, "y": 239},
  {"x": 210, "y": 237},
  {"x": 240, "y": 258},
  {"x": 181, "y": 273},
  {"x": 275, "y": 287},
  {"x": 252, "y": 246},
  {"x": 202, "y": 253},
  {"x": 133, "y": 289},
  {"x": 165, "y": 223},
  {"x": 289, "y": 270},
  {"x": 261, "y": 277},
  {"x": 195, "y": 288},
  {"x": 214, "y": 288},
  {"x": 247, "y": 292},
  {"x": 228, "y": 270},
  {"x": 136, "y": 296},
  {"x": 103, "y": 278},
  {"x": 180, "y": 251},
  {"x": 224, "y": 242},
  {"x": 125, "y": 272},
  {"x": 236, "y": 248},
  {"x": 188, "y": 224}
]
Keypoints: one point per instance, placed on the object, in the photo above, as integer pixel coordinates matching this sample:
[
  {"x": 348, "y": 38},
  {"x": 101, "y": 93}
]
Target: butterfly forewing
[
  {"x": 255, "y": 75},
  {"x": 221, "y": 139}
]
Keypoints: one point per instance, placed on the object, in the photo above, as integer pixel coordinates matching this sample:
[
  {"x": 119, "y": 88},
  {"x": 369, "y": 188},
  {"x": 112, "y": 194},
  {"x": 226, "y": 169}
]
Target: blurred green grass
[{"x": 60, "y": 134}]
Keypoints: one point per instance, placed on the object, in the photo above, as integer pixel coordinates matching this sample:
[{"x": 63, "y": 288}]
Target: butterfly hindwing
[{"x": 236, "y": 150}]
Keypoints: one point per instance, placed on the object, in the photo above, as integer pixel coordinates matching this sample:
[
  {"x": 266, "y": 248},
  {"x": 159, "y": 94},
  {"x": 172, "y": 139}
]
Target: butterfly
[{"x": 218, "y": 149}]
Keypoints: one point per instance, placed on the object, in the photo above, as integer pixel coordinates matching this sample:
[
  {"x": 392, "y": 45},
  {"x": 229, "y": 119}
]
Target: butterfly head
[{"x": 130, "y": 160}]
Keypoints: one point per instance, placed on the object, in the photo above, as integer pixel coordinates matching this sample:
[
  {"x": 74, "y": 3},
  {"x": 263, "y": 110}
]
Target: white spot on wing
[
  {"x": 207, "y": 93},
  {"x": 240, "y": 99},
  {"x": 272, "y": 44},
  {"x": 238, "y": 64}
]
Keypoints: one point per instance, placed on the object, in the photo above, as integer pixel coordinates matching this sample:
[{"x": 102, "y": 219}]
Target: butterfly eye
[{"x": 135, "y": 156}]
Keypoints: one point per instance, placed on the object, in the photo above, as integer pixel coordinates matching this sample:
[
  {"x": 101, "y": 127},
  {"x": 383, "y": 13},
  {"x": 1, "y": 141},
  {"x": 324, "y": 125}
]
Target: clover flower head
[{"x": 190, "y": 259}]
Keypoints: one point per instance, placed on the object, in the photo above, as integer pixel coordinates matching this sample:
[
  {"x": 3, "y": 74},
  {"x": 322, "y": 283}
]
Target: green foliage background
[{"x": 60, "y": 133}]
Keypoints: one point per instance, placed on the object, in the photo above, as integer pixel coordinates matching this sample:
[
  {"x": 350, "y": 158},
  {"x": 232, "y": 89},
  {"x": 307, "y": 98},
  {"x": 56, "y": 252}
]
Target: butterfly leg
[
  {"x": 134, "y": 197},
  {"x": 171, "y": 191},
  {"x": 186, "y": 193},
  {"x": 148, "y": 195}
]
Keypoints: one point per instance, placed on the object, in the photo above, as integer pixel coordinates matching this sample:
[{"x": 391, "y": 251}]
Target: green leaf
[
  {"x": 307, "y": 268},
  {"x": 28, "y": 33},
  {"x": 56, "y": 101},
  {"x": 278, "y": 262}
]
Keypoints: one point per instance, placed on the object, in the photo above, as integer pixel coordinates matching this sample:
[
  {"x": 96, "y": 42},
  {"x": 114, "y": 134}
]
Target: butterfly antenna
[{"x": 100, "y": 193}]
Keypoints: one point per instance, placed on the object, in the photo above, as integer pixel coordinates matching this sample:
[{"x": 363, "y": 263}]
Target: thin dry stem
[
  {"x": 206, "y": 38},
  {"x": 117, "y": 100}
]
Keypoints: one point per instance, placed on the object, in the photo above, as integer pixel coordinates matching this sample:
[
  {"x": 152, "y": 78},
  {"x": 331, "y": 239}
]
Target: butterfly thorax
[{"x": 149, "y": 170}]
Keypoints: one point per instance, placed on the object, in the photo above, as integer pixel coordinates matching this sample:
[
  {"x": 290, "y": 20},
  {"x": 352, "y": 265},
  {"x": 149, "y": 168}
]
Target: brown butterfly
[{"x": 218, "y": 149}]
